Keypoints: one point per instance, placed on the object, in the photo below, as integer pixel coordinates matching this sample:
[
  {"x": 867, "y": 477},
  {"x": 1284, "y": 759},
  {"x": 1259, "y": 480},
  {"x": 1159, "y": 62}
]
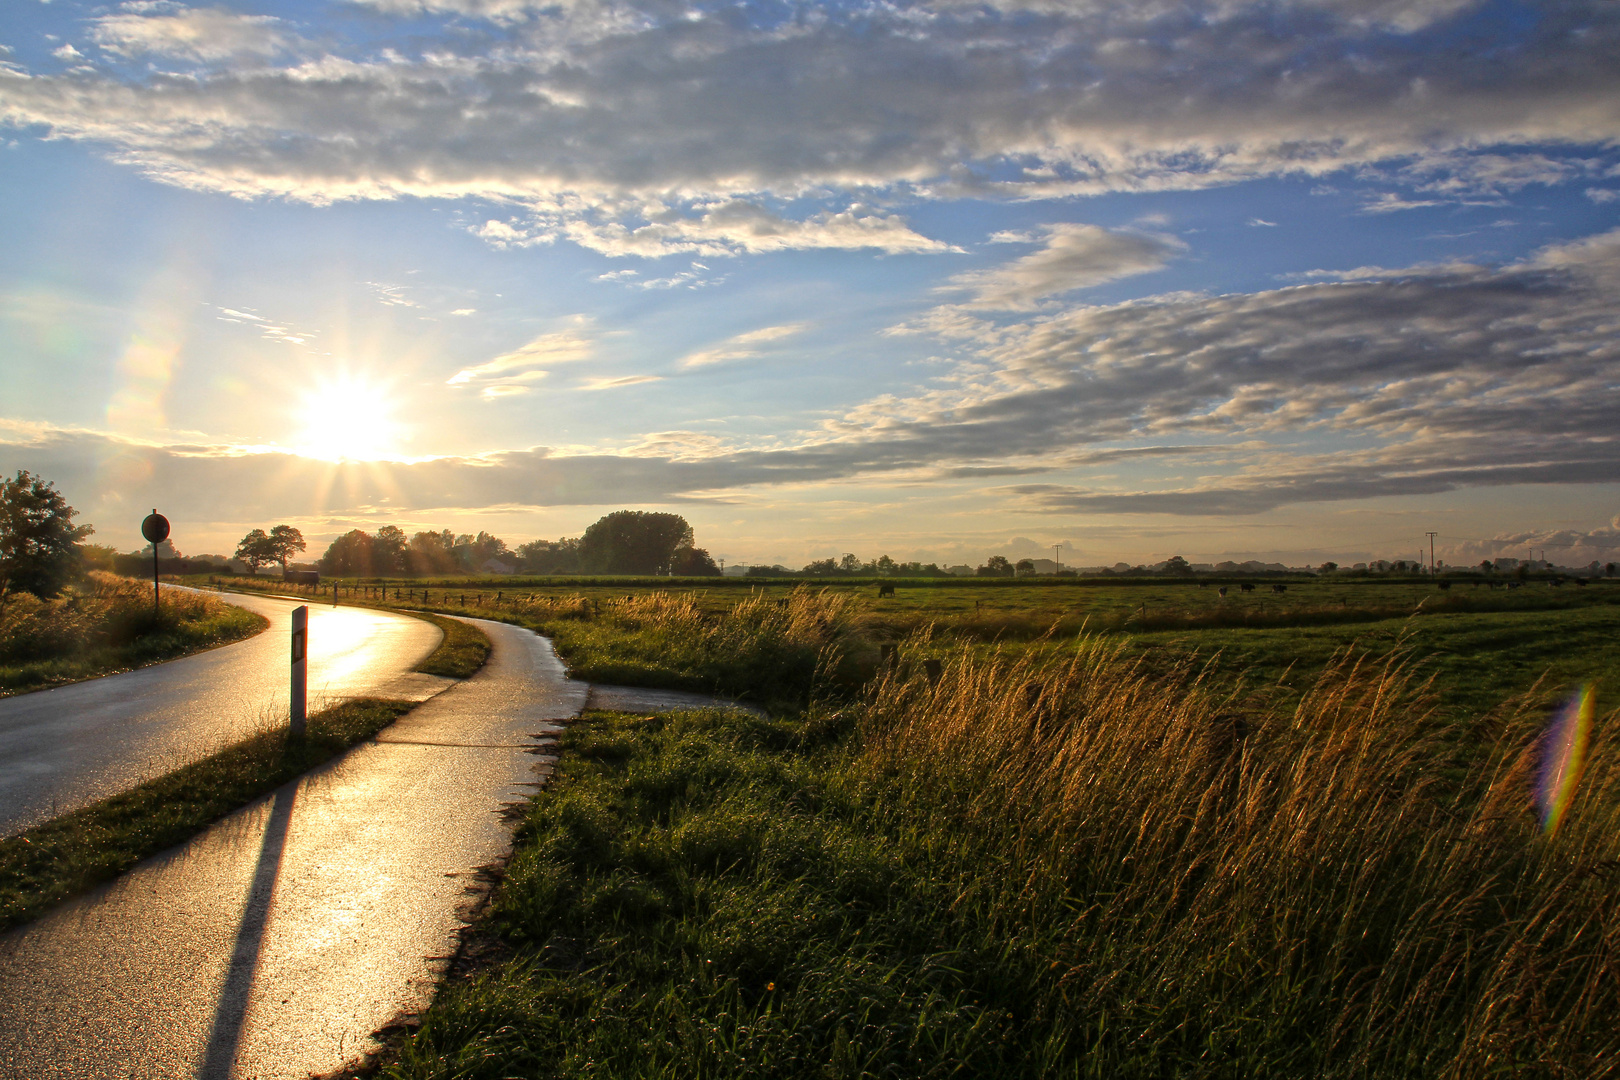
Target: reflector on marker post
[{"x": 300, "y": 668}]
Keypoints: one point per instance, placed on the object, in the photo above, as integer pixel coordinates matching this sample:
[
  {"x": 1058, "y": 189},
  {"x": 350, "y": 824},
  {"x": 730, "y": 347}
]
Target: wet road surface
[
  {"x": 65, "y": 748},
  {"x": 275, "y": 943}
]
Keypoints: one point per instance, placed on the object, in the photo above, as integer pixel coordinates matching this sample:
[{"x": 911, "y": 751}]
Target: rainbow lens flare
[{"x": 1562, "y": 754}]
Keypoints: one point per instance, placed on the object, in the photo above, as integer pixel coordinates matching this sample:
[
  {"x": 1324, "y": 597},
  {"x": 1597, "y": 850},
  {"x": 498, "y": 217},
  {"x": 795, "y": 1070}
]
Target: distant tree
[
  {"x": 388, "y": 549},
  {"x": 255, "y": 550},
  {"x": 884, "y": 565},
  {"x": 474, "y": 551},
  {"x": 694, "y": 562},
  {"x": 996, "y": 566},
  {"x": 1609, "y": 569},
  {"x": 1175, "y": 564},
  {"x": 98, "y": 557},
  {"x": 1329, "y": 567},
  {"x": 1485, "y": 566},
  {"x": 633, "y": 542},
  {"x": 550, "y": 556},
  {"x": 432, "y": 553},
  {"x": 1522, "y": 571},
  {"x": 348, "y": 556},
  {"x": 821, "y": 567},
  {"x": 285, "y": 542},
  {"x": 1024, "y": 567},
  {"x": 39, "y": 544},
  {"x": 849, "y": 564}
]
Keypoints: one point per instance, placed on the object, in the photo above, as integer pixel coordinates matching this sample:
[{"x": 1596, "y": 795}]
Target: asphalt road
[
  {"x": 276, "y": 942},
  {"x": 64, "y": 748}
]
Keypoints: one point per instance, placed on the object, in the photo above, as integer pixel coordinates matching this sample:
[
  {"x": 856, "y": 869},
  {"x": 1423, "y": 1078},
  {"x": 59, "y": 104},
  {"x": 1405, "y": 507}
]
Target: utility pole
[
  {"x": 1431, "y": 552},
  {"x": 1056, "y": 557}
]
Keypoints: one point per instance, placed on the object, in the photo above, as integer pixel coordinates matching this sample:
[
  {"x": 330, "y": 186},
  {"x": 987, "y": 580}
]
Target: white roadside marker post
[{"x": 300, "y": 670}]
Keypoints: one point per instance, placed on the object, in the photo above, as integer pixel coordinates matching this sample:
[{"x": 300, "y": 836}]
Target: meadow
[{"x": 1114, "y": 830}]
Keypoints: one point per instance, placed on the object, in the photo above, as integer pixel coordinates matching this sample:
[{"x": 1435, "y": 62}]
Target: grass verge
[
  {"x": 77, "y": 851},
  {"x": 1068, "y": 867},
  {"x": 108, "y": 628},
  {"x": 462, "y": 652}
]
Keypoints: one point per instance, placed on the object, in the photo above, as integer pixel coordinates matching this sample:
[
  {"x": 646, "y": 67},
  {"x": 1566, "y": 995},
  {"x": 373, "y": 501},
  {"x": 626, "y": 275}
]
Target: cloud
[
  {"x": 1389, "y": 203},
  {"x": 742, "y": 347},
  {"x": 559, "y": 347},
  {"x": 67, "y": 52},
  {"x": 735, "y": 227},
  {"x": 1422, "y": 380},
  {"x": 201, "y": 34},
  {"x": 1408, "y": 382},
  {"x": 1075, "y": 257},
  {"x": 570, "y": 109},
  {"x": 500, "y": 390},
  {"x": 621, "y": 381}
]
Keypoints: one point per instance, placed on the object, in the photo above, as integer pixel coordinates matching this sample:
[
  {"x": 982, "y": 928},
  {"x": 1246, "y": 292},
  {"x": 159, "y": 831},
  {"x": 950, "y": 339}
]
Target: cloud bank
[
  {"x": 654, "y": 128},
  {"x": 1408, "y": 382}
]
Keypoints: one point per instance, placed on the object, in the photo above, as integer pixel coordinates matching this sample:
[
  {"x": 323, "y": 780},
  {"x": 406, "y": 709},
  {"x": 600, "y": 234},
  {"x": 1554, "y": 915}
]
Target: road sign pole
[
  {"x": 155, "y": 528},
  {"x": 300, "y": 670}
]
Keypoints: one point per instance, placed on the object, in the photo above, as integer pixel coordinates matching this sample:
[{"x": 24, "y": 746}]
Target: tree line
[{"x": 625, "y": 542}]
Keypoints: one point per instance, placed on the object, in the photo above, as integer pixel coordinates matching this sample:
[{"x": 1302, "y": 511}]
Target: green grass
[
  {"x": 462, "y": 652},
  {"x": 108, "y": 627},
  {"x": 1077, "y": 868},
  {"x": 77, "y": 851}
]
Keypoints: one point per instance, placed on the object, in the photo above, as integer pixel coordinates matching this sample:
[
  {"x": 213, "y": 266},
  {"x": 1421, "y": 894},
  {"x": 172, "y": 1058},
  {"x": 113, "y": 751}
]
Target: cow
[
  {"x": 1246, "y": 587},
  {"x": 1223, "y": 591},
  {"x": 885, "y": 590},
  {"x": 1279, "y": 588}
]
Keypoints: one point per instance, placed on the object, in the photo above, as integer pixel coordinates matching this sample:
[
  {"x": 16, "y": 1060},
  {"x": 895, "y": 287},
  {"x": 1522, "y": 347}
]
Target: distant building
[
  {"x": 497, "y": 566},
  {"x": 735, "y": 570},
  {"x": 960, "y": 570}
]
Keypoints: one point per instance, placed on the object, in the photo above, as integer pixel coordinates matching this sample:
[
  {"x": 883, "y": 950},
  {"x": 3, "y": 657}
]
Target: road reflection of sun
[{"x": 347, "y": 419}]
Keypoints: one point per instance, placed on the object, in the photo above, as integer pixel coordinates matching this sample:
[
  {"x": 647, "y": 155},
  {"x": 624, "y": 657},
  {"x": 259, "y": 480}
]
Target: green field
[{"x": 1481, "y": 645}]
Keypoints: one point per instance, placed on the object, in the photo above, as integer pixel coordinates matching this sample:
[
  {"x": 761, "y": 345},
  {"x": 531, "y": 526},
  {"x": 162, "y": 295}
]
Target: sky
[{"x": 1115, "y": 279}]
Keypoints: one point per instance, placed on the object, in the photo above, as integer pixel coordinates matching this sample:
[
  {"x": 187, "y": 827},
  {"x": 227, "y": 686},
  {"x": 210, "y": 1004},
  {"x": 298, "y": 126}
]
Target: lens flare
[{"x": 1563, "y": 752}]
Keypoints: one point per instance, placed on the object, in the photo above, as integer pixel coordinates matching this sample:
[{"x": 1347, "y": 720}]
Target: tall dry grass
[
  {"x": 1328, "y": 892},
  {"x": 107, "y": 622},
  {"x": 763, "y": 648}
]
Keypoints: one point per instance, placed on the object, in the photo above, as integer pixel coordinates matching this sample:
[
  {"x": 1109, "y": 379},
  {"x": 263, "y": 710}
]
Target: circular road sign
[{"x": 155, "y": 528}]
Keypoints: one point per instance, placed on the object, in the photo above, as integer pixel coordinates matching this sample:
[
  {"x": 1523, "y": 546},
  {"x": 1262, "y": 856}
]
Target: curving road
[{"x": 65, "y": 748}]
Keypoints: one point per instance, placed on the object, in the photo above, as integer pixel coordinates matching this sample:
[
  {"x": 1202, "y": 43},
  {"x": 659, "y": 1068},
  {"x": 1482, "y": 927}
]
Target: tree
[
  {"x": 1175, "y": 564},
  {"x": 633, "y": 542},
  {"x": 1024, "y": 567},
  {"x": 1328, "y": 567},
  {"x": 1485, "y": 566},
  {"x": 821, "y": 567},
  {"x": 388, "y": 551},
  {"x": 432, "y": 552},
  {"x": 284, "y": 542},
  {"x": 996, "y": 566},
  {"x": 694, "y": 562},
  {"x": 550, "y": 556},
  {"x": 849, "y": 564},
  {"x": 255, "y": 550},
  {"x": 885, "y": 565},
  {"x": 348, "y": 556},
  {"x": 39, "y": 544}
]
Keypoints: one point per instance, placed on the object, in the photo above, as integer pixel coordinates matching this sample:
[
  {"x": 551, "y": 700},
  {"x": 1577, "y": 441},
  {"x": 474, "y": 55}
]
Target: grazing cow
[
  {"x": 1444, "y": 585},
  {"x": 1246, "y": 587},
  {"x": 1223, "y": 590},
  {"x": 885, "y": 590},
  {"x": 1581, "y": 582},
  {"x": 1279, "y": 588}
]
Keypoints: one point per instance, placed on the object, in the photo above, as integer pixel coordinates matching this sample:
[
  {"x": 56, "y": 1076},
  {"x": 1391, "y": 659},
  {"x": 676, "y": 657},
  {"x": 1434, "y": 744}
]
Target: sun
[{"x": 347, "y": 419}]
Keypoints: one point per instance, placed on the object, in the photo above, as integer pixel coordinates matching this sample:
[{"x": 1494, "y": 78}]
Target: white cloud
[
  {"x": 500, "y": 390},
  {"x": 465, "y": 311},
  {"x": 591, "y": 105},
  {"x": 735, "y": 227},
  {"x": 529, "y": 361},
  {"x": 1602, "y": 195},
  {"x": 1075, "y": 257},
  {"x": 67, "y": 52},
  {"x": 742, "y": 347},
  {"x": 1262, "y": 222},
  {"x": 1389, "y": 203},
  {"x": 203, "y": 34},
  {"x": 621, "y": 381}
]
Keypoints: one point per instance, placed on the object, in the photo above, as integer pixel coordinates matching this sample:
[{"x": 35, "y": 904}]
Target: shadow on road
[{"x": 230, "y": 1015}]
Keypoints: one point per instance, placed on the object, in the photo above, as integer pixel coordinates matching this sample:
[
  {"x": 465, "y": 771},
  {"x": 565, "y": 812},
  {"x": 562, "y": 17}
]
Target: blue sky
[{"x": 1295, "y": 280}]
